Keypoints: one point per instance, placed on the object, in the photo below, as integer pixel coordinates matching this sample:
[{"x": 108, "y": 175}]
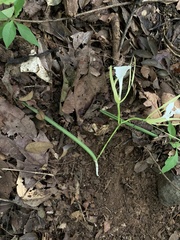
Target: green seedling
[
  {"x": 168, "y": 116},
  {"x": 9, "y": 26},
  {"x": 172, "y": 161}
]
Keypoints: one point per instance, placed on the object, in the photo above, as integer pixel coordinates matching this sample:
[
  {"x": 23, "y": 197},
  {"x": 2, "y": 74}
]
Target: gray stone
[{"x": 168, "y": 194}]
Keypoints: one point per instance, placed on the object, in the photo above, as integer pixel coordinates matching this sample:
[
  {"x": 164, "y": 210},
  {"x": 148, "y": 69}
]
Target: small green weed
[
  {"x": 168, "y": 116},
  {"x": 172, "y": 161},
  {"x": 9, "y": 25}
]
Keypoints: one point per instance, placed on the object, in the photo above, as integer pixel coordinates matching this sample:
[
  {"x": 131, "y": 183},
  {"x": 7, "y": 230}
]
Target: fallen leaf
[
  {"x": 77, "y": 215},
  {"x": 145, "y": 71},
  {"x": 28, "y": 97},
  {"x": 21, "y": 189},
  {"x": 38, "y": 147},
  {"x": 71, "y": 7},
  {"x": 34, "y": 65},
  {"x": 53, "y": 2},
  {"x": 151, "y": 103},
  {"x": 81, "y": 38},
  {"x": 107, "y": 226}
]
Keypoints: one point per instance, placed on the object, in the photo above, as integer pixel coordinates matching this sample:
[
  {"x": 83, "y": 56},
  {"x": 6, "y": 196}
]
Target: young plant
[
  {"x": 9, "y": 26},
  {"x": 117, "y": 87},
  {"x": 172, "y": 161}
]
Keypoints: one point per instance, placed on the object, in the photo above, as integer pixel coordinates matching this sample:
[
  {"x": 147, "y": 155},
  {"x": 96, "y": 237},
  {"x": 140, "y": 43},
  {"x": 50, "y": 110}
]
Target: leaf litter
[{"x": 61, "y": 192}]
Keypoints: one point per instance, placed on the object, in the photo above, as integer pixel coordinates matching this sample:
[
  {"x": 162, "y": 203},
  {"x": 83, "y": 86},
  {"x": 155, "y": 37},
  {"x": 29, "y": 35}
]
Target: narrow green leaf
[
  {"x": 170, "y": 163},
  {"x": 18, "y": 5},
  {"x": 175, "y": 144},
  {"x": 8, "y": 12},
  {"x": 171, "y": 130},
  {"x": 8, "y": 33},
  {"x": 26, "y": 33},
  {"x": 3, "y": 16}
]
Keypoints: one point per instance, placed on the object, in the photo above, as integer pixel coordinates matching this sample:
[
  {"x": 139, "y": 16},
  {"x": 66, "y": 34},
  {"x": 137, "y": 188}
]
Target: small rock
[{"x": 168, "y": 194}]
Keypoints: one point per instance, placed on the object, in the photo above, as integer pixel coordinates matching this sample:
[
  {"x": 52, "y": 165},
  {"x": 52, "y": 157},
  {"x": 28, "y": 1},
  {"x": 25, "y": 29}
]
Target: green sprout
[{"x": 9, "y": 26}]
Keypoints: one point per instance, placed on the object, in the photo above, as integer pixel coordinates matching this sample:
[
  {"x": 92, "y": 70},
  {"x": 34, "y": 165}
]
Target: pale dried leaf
[
  {"x": 40, "y": 115},
  {"x": 71, "y": 7},
  {"x": 21, "y": 189},
  {"x": 28, "y": 97},
  {"x": 34, "y": 65},
  {"x": 107, "y": 226},
  {"x": 152, "y": 104},
  {"x": 81, "y": 38},
  {"x": 77, "y": 215},
  {"x": 53, "y": 2},
  {"x": 178, "y": 5},
  {"x": 38, "y": 147},
  {"x": 35, "y": 197}
]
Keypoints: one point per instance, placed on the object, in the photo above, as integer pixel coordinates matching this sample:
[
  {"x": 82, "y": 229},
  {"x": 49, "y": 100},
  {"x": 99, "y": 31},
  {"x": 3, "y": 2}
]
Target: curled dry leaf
[
  {"x": 107, "y": 226},
  {"x": 38, "y": 147},
  {"x": 28, "y": 97},
  {"x": 145, "y": 71},
  {"x": 151, "y": 103}
]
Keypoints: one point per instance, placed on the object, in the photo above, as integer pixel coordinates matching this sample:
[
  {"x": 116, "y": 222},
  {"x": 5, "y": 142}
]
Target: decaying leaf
[
  {"x": 38, "y": 147},
  {"x": 151, "y": 103},
  {"x": 77, "y": 215},
  {"x": 21, "y": 189},
  {"x": 81, "y": 38},
  {"x": 6, "y": 181},
  {"x": 28, "y": 97},
  {"x": 33, "y": 197},
  {"x": 71, "y": 7},
  {"x": 34, "y": 65},
  {"x": 107, "y": 226}
]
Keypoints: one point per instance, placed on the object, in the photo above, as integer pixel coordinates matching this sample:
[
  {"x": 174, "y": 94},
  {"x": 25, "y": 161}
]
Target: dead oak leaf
[
  {"x": 38, "y": 147},
  {"x": 151, "y": 103}
]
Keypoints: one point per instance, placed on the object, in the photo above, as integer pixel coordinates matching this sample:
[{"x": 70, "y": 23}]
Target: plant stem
[
  {"x": 68, "y": 134},
  {"x": 129, "y": 124},
  {"x": 109, "y": 139}
]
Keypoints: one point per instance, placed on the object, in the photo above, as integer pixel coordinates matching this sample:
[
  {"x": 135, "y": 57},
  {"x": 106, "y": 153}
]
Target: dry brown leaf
[
  {"x": 38, "y": 147},
  {"x": 107, "y": 226},
  {"x": 6, "y": 181},
  {"x": 40, "y": 115},
  {"x": 77, "y": 215},
  {"x": 71, "y": 7},
  {"x": 81, "y": 38},
  {"x": 152, "y": 104},
  {"x": 145, "y": 71},
  {"x": 28, "y": 97},
  {"x": 21, "y": 189},
  {"x": 13, "y": 121}
]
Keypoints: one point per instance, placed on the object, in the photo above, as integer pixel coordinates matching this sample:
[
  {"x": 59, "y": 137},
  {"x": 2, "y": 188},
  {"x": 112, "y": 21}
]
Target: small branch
[
  {"x": 78, "y": 15},
  {"x": 18, "y": 170}
]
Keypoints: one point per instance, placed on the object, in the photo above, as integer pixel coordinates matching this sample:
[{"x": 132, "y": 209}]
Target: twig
[
  {"x": 78, "y": 15},
  {"x": 160, "y": 170},
  {"x": 36, "y": 173}
]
